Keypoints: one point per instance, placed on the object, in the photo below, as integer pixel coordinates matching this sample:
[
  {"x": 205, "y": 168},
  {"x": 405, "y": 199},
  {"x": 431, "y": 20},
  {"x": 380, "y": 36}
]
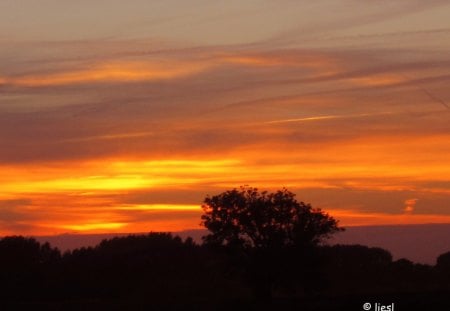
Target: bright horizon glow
[{"x": 97, "y": 192}]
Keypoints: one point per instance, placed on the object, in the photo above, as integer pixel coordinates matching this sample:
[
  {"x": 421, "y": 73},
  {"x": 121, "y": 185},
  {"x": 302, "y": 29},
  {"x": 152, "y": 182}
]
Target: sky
[{"x": 121, "y": 116}]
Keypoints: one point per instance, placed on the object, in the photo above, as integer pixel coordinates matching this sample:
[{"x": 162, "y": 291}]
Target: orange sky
[{"x": 127, "y": 125}]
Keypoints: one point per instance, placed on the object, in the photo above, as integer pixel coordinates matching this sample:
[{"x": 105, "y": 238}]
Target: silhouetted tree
[
  {"x": 247, "y": 218},
  {"x": 265, "y": 232}
]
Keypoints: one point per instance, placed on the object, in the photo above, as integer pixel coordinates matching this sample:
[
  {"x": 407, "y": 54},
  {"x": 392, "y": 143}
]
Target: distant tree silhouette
[
  {"x": 269, "y": 235},
  {"x": 443, "y": 261},
  {"x": 153, "y": 268},
  {"x": 348, "y": 266},
  {"x": 158, "y": 271},
  {"x": 443, "y": 269},
  {"x": 24, "y": 263}
]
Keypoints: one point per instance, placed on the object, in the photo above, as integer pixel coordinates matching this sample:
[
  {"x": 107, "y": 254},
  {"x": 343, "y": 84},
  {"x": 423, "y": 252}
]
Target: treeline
[{"x": 164, "y": 271}]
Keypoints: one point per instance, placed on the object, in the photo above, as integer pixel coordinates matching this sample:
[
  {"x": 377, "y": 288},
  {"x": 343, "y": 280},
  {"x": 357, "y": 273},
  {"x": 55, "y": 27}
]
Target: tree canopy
[{"x": 250, "y": 219}]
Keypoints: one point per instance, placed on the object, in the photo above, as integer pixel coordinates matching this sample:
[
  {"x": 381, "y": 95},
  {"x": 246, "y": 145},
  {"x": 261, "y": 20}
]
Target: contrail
[
  {"x": 304, "y": 119},
  {"x": 110, "y": 137},
  {"x": 328, "y": 117},
  {"x": 436, "y": 99},
  {"x": 430, "y": 95}
]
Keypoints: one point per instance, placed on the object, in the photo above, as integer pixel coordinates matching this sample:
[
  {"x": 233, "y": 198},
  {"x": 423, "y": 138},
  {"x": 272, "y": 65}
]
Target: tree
[
  {"x": 249, "y": 219},
  {"x": 270, "y": 236}
]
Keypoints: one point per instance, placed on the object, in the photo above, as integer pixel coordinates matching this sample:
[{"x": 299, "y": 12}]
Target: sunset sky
[{"x": 121, "y": 116}]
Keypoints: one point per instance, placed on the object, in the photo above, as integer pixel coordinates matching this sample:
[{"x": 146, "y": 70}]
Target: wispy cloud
[
  {"x": 110, "y": 72},
  {"x": 410, "y": 204}
]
